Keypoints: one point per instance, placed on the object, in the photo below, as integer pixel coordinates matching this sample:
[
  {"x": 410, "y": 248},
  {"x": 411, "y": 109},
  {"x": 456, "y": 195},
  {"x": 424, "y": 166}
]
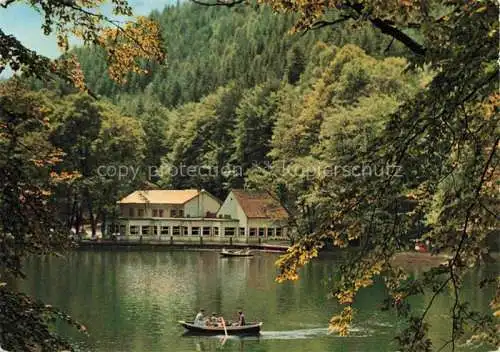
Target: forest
[
  {"x": 366, "y": 120},
  {"x": 223, "y": 102}
]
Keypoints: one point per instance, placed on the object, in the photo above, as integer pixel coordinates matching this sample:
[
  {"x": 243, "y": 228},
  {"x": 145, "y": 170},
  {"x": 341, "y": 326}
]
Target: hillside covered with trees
[
  {"x": 209, "y": 47},
  {"x": 241, "y": 110},
  {"x": 223, "y": 96},
  {"x": 378, "y": 126}
]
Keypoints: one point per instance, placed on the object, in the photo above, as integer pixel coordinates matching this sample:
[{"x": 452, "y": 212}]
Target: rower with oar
[{"x": 200, "y": 318}]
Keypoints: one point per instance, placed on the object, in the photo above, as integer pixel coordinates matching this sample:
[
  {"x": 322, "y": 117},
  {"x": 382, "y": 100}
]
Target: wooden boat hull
[
  {"x": 249, "y": 329},
  {"x": 235, "y": 254}
]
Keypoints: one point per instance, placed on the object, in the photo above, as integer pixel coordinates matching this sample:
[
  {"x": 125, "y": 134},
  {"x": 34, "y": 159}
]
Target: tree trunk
[
  {"x": 73, "y": 214},
  {"x": 92, "y": 218},
  {"x": 78, "y": 220},
  {"x": 102, "y": 215}
]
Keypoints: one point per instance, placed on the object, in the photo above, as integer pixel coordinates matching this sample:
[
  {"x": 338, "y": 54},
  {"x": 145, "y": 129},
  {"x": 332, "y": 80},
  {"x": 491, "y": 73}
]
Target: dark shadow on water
[
  {"x": 266, "y": 335},
  {"x": 219, "y": 342},
  {"x": 232, "y": 337}
]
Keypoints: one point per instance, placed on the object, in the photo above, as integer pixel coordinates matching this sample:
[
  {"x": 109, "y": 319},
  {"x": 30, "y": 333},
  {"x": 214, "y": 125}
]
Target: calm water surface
[{"x": 131, "y": 301}]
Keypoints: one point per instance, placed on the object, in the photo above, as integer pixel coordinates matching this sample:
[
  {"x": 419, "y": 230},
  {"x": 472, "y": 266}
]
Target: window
[
  {"x": 176, "y": 230},
  {"x": 242, "y": 231},
  {"x": 216, "y": 231},
  {"x": 155, "y": 213},
  {"x": 122, "y": 211},
  {"x": 253, "y": 232},
  {"x": 160, "y": 213},
  {"x": 131, "y": 212},
  {"x": 155, "y": 230},
  {"x": 110, "y": 229},
  {"x": 181, "y": 213},
  {"x": 122, "y": 230},
  {"x": 141, "y": 213},
  {"x": 195, "y": 231},
  {"x": 173, "y": 213},
  {"x": 278, "y": 232},
  {"x": 134, "y": 230},
  {"x": 206, "y": 231},
  {"x": 229, "y": 231},
  {"x": 145, "y": 230},
  {"x": 261, "y": 232},
  {"x": 184, "y": 230},
  {"x": 270, "y": 232},
  {"x": 164, "y": 230}
]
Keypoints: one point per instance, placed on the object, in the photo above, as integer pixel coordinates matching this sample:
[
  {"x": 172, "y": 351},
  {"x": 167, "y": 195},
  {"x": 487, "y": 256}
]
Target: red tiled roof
[
  {"x": 259, "y": 205},
  {"x": 170, "y": 196}
]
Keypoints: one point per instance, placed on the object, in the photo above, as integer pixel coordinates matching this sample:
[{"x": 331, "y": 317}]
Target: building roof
[
  {"x": 171, "y": 196},
  {"x": 259, "y": 205}
]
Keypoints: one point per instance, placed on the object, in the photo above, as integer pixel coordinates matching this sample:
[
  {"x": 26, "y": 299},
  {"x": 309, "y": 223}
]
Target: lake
[{"x": 132, "y": 300}]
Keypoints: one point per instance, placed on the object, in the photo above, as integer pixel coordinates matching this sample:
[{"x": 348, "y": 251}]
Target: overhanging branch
[
  {"x": 388, "y": 27},
  {"x": 321, "y": 24},
  {"x": 398, "y": 35},
  {"x": 6, "y": 3},
  {"x": 227, "y": 3}
]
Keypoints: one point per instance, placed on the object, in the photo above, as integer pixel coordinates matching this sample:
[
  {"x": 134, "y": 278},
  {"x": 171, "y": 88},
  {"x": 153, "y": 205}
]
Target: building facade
[
  {"x": 258, "y": 213},
  {"x": 161, "y": 214}
]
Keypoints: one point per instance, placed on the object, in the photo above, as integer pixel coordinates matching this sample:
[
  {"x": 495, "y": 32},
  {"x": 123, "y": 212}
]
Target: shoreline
[
  {"x": 177, "y": 245},
  {"x": 404, "y": 259}
]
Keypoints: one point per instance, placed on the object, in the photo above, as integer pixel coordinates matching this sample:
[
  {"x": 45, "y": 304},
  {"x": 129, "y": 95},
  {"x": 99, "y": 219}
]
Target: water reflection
[{"x": 131, "y": 301}]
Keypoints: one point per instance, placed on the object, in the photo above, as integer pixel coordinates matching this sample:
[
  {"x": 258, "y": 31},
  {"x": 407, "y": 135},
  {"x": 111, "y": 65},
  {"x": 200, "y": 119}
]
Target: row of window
[
  {"x": 157, "y": 213},
  {"x": 195, "y": 231}
]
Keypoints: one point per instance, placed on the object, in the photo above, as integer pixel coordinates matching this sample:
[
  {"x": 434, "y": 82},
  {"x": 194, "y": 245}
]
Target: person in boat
[
  {"x": 200, "y": 318},
  {"x": 214, "y": 320},
  {"x": 241, "y": 318}
]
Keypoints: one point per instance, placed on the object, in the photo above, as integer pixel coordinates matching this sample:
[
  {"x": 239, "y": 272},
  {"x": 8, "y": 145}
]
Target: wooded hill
[
  {"x": 209, "y": 47},
  {"x": 241, "y": 98}
]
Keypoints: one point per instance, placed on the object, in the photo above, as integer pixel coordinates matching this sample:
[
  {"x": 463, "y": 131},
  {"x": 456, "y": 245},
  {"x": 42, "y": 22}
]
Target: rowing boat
[
  {"x": 240, "y": 253},
  {"x": 249, "y": 329}
]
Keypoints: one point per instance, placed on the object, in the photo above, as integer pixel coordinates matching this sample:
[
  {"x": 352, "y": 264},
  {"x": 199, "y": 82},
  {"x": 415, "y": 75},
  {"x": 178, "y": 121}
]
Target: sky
[{"x": 24, "y": 23}]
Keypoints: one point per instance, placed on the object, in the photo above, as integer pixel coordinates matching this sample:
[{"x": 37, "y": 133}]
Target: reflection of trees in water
[
  {"x": 133, "y": 299},
  {"x": 480, "y": 299},
  {"x": 234, "y": 273},
  {"x": 142, "y": 278},
  {"x": 210, "y": 344},
  {"x": 440, "y": 313}
]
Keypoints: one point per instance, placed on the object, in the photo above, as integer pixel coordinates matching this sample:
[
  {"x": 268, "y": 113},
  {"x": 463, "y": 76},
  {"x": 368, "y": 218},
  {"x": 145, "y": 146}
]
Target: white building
[
  {"x": 164, "y": 213},
  {"x": 258, "y": 213}
]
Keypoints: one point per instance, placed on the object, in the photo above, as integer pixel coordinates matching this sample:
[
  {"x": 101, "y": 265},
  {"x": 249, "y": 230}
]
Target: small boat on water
[
  {"x": 237, "y": 253},
  {"x": 249, "y": 329}
]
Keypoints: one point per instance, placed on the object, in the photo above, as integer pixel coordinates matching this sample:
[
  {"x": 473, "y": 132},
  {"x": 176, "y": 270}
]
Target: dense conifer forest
[
  {"x": 241, "y": 91},
  {"x": 241, "y": 99},
  {"x": 369, "y": 121}
]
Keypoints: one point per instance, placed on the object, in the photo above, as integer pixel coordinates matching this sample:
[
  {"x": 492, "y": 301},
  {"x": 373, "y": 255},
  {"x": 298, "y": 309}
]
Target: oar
[{"x": 224, "y": 325}]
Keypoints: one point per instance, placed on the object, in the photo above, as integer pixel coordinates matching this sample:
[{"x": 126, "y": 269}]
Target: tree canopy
[
  {"x": 376, "y": 125},
  {"x": 50, "y": 147},
  {"x": 125, "y": 42},
  {"x": 211, "y": 47},
  {"x": 444, "y": 139}
]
